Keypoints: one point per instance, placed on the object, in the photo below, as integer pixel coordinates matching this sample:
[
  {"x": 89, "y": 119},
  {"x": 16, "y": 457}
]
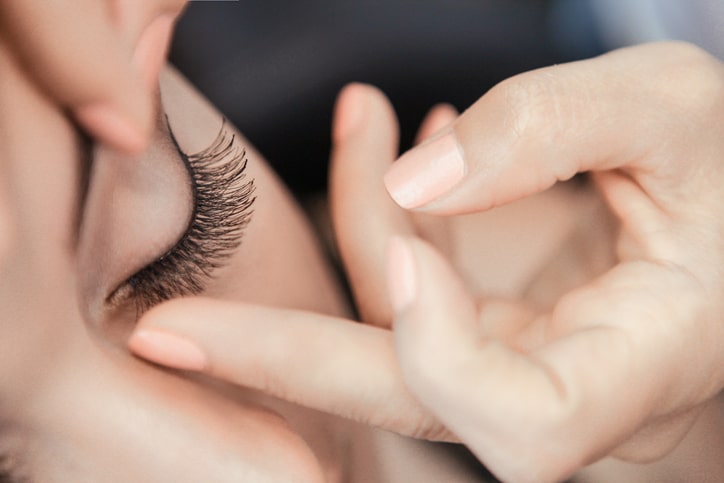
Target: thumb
[{"x": 545, "y": 126}]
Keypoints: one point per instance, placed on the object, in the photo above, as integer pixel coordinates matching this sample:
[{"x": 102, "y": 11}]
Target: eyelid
[{"x": 223, "y": 200}]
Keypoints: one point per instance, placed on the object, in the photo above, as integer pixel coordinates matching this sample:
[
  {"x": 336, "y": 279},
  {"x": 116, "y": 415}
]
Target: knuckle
[
  {"x": 427, "y": 367},
  {"x": 531, "y": 102},
  {"x": 539, "y": 109},
  {"x": 175, "y": 7},
  {"x": 684, "y": 53}
]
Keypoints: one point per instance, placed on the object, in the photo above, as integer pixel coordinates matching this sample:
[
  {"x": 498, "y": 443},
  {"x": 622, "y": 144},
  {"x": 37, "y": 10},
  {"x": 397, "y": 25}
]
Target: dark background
[{"x": 274, "y": 67}]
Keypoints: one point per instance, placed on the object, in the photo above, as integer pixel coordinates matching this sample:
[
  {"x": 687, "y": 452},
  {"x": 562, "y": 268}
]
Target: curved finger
[
  {"x": 80, "y": 55},
  {"x": 332, "y": 365},
  {"x": 544, "y": 126},
  {"x": 364, "y": 216},
  {"x": 546, "y": 394},
  {"x": 478, "y": 387}
]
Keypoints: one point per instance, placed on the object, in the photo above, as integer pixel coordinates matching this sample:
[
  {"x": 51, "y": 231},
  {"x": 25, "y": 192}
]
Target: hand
[
  {"x": 99, "y": 60},
  {"x": 534, "y": 395},
  {"x": 330, "y": 364},
  {"x": 336, "y": 365},
  {"x": 624, "y": 363}
]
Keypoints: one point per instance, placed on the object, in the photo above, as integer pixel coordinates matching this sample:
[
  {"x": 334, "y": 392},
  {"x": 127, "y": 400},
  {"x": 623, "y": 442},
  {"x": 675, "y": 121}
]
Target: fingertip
[
  {"x": 349, "y": 111},
  {"x": 116, "y": 128},
  {"x": 167, "y": 334},
  {"x": 167, "y": 349},
  {"x": 401, "y": 275},
  {"x": 438, "y": 118},
  {"x": 353, "y": 109},
  {"x": 152, "y": 47},
  {"x": 118, "y": 105},
  {"x": 444, "y": 111}
]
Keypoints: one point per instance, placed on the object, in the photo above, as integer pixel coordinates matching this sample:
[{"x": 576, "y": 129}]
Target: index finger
[{"x": 322, "y": 362}]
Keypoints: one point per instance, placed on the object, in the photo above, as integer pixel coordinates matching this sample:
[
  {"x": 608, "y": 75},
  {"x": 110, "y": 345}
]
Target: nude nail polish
[
  {"x": 426, "y": 172},
  {"x": 167, "y": 349}
]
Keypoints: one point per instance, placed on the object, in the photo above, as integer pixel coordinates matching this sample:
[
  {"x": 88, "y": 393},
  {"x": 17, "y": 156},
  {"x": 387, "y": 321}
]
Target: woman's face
[{"x": 87, "y": 242}]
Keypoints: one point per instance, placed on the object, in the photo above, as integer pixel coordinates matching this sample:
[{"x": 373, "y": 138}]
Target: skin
[
  {"x": 75, "y": 405},
  {"x": 114, "y": 103},
  {"x": 80, "y": 407},
  {"x": 107, "y": 83},
  {"x": 648, "y": 328},
  {"x": 610, "y": 347}
]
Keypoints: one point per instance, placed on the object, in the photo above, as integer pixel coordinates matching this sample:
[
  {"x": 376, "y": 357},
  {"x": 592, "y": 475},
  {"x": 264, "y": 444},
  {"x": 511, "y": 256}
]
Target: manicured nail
[
  {"x": 150, "y": 53},
  {"x": 349, "y": 111},
  {"x": 400, "y": 274},
  {"x": 167, "y": 349},
  {"x": 426, "y": 172},
  {"x": 112, "y": 127}
]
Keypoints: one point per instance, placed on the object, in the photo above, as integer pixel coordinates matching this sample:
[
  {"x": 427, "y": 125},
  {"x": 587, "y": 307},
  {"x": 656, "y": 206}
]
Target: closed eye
[{"x": 223, "y": 198}]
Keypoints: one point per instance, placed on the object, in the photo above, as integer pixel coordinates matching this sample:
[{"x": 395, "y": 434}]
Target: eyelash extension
[{"x": 222, "y": 210}]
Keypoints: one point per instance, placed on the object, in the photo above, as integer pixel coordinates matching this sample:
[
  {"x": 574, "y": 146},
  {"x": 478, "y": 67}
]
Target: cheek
[
  {"x": 117, "y": 419},
  {"x": 280, "y": 262}
]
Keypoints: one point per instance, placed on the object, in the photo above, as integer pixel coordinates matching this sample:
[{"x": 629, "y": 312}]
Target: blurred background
[{"x": 274, "y": 67}]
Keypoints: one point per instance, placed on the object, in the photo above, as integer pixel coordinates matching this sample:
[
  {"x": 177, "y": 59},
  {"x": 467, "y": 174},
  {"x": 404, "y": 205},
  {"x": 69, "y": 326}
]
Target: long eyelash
[{"x": 222, "y": 209}]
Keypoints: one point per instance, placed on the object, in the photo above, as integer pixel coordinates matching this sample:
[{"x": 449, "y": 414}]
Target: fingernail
[
  {"x": 150, "y": 53},
  {"x": 167, "y": 349},
  {"x": 401, "y": 281},
  {"x": 111, "y": 127},
  {"x": 349, "y": 111},
  {"x": 426, "y": 172}
]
